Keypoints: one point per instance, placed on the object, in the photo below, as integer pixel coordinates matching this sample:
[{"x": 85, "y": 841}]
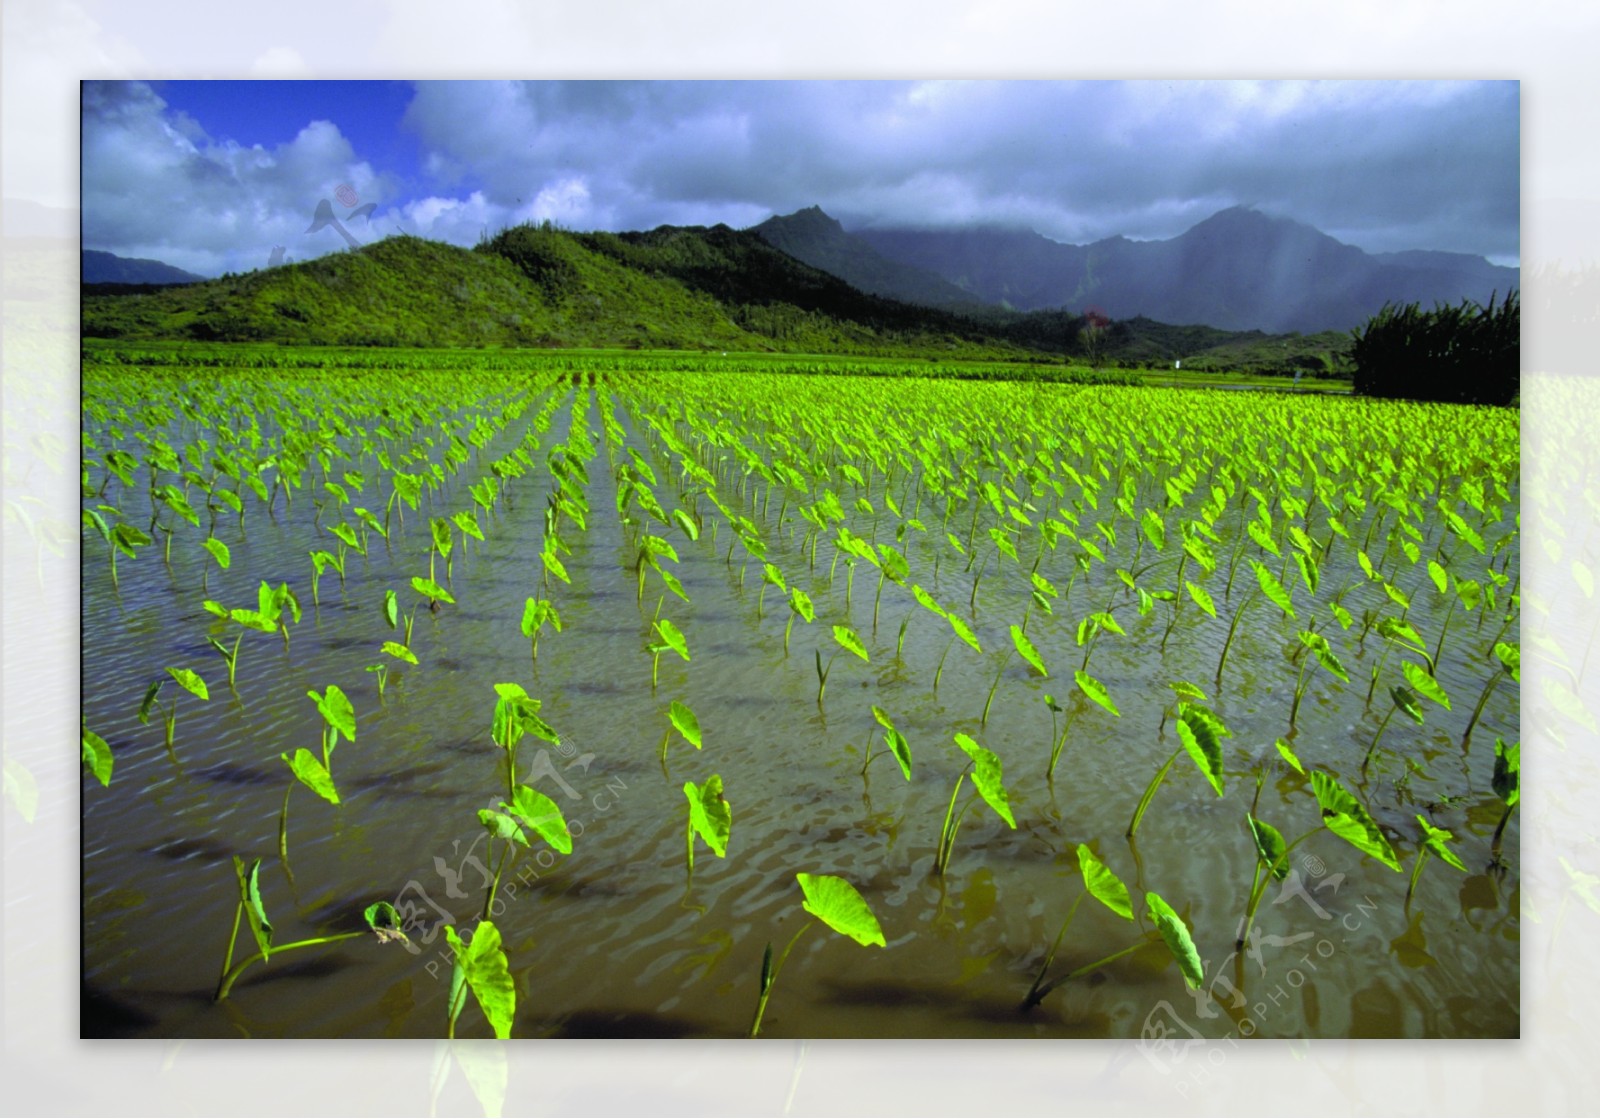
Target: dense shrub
[{"x": 1468, "y": 354}]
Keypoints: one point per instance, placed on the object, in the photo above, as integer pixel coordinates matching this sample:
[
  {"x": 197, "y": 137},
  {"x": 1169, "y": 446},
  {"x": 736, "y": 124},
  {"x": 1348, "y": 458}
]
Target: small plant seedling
[
  {"x": 837, "y": 904},
  {"x": 710, "y": 817},
  {"x": 96, "y": 755},
  {"x": 482, "y": 968},
  {"x": 1200, "y": 735},
  {"x": 1109, "y": 891},
  {"x": 898, "y": 746},
  {"x": 190, "y": 682},
  {"x": 680, "y": 718},
  {"x": 536, "y": 614},
  {"x": 671, "y": 640},
  {"x": 1342, "y": 814},
  {"x": 799, "y": 607},
  {"x": 338, "y": 717},
  {"x": 987, "y": 778},
  {"x": 382, "y": 919},
  {"x": 848, "y": 642},
  {"x": 1507, "y": 786},
  {"x": 1434, "y": 842}
]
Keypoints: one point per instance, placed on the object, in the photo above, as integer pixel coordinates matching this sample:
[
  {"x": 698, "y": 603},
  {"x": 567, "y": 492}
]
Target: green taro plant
[
  {"x": 189, "y": 681},
  {"x": 987, "y": 774},
  {"x": 481, "y": 967},
  {"x": 1341, "y": 814},
  {"x": 896, "y": 742},
  {"x": 710, "y": 817},
  {"x": 1507, "y": 786},
  {"x": 536, "y": 614},
  {"x": 1200, "y": 735},
  {"x": 671, "y": 640},
  {"x": 1435, "y": 841},
  {"x": 1109, "y": 890},
  {"x": 381, "y": 917},
  {"x": 680, "y": 718},
  {"x": 848, "y": 642},
  {"x": 837, "y": 904},
  {"x": 316, "y": 774}
]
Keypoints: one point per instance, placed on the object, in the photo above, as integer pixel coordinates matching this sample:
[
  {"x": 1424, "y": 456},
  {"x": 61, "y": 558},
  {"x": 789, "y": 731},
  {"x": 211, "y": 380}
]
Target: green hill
[{"x": 685, "y": 288}]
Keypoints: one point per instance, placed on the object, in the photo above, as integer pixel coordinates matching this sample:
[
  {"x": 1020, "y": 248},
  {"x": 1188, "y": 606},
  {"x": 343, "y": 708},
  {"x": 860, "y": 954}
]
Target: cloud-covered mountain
[
  {"x": 109, "y": 268},
  {"x": 1238, "y": 270}
]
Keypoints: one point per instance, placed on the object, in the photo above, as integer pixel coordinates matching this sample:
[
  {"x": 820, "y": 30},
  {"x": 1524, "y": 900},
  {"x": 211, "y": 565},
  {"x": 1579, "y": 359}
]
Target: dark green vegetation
[
  {"x": 1272, "y": 659},
  {"x": 698, "y": 289},
  {"x": 1467, "y": 354}
]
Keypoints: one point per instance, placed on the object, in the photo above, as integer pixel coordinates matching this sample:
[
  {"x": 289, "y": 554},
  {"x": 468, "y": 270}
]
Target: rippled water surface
[{"x": 616, "y": 939}]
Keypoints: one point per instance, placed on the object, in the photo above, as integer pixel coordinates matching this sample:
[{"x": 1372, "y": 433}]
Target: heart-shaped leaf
[
  {"x": 481, "y": 966},
  {"x": 987, "y": 776},
  {"x": 709, "y": 813},
  {"x": 544, "y": 816},
  {"x": 1106, "y": 887},
  {"x": 837, "y": 904},
  {"x": 1176, "y": 936}
]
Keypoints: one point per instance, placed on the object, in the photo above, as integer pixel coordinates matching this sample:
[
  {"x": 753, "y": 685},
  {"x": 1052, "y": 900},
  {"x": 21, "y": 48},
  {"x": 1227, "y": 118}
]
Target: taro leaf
[
  {"x": 901, "y": 748},
  {"x": 391, "y": 609},
  {"x": 399, "y": 652},
  {"x": 684, "y": 719},
  {"x": 337, "y": 710},
  {"x": 97, "y": 756},
  {"x": 1200, "y": 741},
  {"x": 1200, "y": 554},
  {"x": 501, "y": 826},
  {"x": 1511, "y": 656},
  {"x": 1345, "y": 817},
  {"x": 308, "y": 767},
  {"x": 1423, "y": 682},
  {"x": 1201, "y": 598},
  {"x": 1397, "y": 596},
  {"x": 1262, "y": 535},
  {"x": 1289, "y": 756},
  {"x": 986, "y": 775},
  {"x": 1470, "y": 591},
  {"x": 709, "y": 813},
  {"x": 250, "y": 896},
  {"x": 554, "y": 565},
  {"x": 1396, "y": 630},
  {"x": 1324, "y": 653},
  {"x": 927, "y": 601},
  {"x": 468, "y": 524},
  {"x": 1270, "y": 846},
  {"x": 837, "y": 904},
  {"x": 773, "y": 575},
  {"x": 670, "y": 580},
  {"x": 673, "y": 637},
  {"x": 218, "y": 550},
  {"x": 150, "y": 694},
  {"x": 127, "y": 538},
  {"x": 963, "y": 631},
  {"x": 482, "y": 967},
  {"x": 1176, "y": 935},
  {"x": 1507, "y": 771},
  {"x": 686, "y": 523},
  {"x": 1308, "y": 570},
  {"x": 428, "y": 589},
  {"x": 846, "y": 637},
  {"x": 1185, "y": 690},
  {"x": 191, "y": 682},
  {"x": 1366, "y": 565},
  {"x": 1437, "y": 573},
  {"x": 1341, "y": 615},
  {"x": 1106, "y": 887},
  {"x": 1029, "y": 653},
  {"x": 883, "y": 718},
  {"x": 543, "y": 815},
  {"x": 1273, "y": 589},
  {"x": 1407, "y": 702},
  {"x": 1096, "y": 691},
  {"x": 1154, "y": 530},
  {"x": 1437, "y": 840},
  {"x": 385, "y": 920},
  {"x": 800, "y": 603}
]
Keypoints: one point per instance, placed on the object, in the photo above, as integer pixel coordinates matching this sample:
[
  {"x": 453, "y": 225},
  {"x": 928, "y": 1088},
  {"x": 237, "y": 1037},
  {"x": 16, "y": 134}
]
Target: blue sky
[{"x": 212, "y": 176}]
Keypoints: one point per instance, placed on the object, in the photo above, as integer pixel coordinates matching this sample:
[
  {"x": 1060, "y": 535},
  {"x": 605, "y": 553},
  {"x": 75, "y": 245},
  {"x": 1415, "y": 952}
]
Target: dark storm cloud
[
  {"x": 1383, "y": 165},
  {"x": 1386, "y": 165}
]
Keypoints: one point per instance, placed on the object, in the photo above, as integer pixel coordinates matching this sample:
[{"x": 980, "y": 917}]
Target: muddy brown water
[{"x": 616, "y": 939}]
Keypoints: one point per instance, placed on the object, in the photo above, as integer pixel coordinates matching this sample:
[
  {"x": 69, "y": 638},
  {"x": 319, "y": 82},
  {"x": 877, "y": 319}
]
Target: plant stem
[
  {"x": 1367, "y": 757},
  {"x": 1087, "y": 968},
  {"x": 1150, "y": 792},
  {"x": 283, "y": 826},
  {"x": 229, "y": 979},
  {"x": 1034, "y": 992},
  {"x": 769, "y": 976},
  {"x": 947, "y": 830}
]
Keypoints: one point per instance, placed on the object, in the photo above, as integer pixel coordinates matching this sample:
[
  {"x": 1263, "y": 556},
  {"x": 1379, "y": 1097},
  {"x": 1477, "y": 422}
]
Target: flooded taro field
[{"x": 558, "y": 696}]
